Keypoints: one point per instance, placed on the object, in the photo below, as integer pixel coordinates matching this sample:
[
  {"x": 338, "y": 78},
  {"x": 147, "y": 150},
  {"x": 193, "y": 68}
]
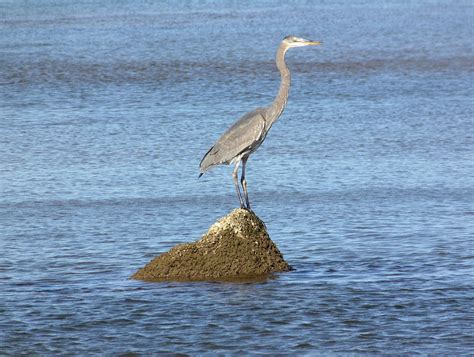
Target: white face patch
[
  {"x": 297, "y": 42},
  {"x": 293, "y": 41}
]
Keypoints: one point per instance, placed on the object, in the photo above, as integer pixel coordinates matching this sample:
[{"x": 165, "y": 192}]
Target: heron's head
[{"x": 293, "y": 41}]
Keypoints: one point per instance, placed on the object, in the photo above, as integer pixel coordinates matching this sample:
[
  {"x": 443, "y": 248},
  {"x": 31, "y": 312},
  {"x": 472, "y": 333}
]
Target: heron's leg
[
  {"x": 235, "y": 174},
  {"x": 243, "y": 181}
]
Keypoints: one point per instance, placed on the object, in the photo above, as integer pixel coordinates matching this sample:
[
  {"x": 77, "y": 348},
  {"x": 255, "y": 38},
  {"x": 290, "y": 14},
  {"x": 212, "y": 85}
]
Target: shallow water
[{"x": 366, "y": 183}]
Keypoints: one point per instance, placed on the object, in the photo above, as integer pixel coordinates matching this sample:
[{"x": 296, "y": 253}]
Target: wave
[{"x": 67, "y": 71}]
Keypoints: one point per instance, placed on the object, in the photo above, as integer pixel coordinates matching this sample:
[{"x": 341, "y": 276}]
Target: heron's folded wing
[{"x": 240, "y": 137}]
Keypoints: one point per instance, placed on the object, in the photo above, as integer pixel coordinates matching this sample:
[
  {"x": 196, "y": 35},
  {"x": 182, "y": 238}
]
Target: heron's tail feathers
[{"x": 208, "y": 160}]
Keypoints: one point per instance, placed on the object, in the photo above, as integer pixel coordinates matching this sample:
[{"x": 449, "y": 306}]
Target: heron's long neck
[{"x": 278, "y": 105}]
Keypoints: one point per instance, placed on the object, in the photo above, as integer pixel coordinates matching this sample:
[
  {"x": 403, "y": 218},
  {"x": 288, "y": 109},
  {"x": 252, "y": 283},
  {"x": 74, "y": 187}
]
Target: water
[{"x": 366, "y": 183}]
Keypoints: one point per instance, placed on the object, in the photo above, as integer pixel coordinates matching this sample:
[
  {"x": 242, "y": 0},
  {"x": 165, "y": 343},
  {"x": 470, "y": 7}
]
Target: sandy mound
[{"x": 236, "y": 247}]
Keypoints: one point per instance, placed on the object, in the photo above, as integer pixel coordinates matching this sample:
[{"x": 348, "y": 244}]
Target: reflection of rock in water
[{"x": 237, "y": 247}]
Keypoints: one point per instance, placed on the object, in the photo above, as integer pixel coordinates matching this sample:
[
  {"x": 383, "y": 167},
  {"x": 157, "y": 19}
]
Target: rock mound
[{"x": 236, "y": 247}]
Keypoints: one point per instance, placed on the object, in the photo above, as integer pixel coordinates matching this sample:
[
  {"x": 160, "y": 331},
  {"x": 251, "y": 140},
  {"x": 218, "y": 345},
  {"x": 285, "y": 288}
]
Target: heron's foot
[{"x": 247, "y": 208}]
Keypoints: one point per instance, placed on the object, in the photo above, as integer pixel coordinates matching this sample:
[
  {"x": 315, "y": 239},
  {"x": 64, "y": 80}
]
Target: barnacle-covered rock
[{"x": 236, "y": 247}]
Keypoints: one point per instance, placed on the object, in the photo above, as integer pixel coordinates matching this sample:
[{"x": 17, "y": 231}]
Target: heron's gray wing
[{"x": 242, "y": 136}]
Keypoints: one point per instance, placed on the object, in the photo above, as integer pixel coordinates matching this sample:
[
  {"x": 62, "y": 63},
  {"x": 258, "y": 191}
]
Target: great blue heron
[{"x": 248, "y": 133}]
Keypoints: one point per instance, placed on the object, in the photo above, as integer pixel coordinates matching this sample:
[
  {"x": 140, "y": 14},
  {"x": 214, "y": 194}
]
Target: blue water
[{"x": 366, "y": 183}]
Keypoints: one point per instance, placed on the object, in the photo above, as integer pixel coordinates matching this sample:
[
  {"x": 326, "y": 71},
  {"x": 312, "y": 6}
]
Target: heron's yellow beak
[{"x": 312, "y": 42}]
